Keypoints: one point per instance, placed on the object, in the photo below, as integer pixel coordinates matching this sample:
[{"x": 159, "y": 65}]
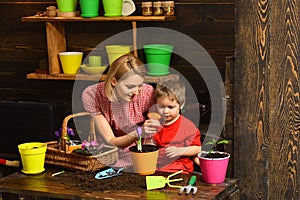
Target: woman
[{"x": 120, "y": 104}]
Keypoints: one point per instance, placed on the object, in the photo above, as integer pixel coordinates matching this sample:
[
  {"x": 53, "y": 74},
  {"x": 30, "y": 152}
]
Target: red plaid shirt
[{"x": 123, "y": 117}]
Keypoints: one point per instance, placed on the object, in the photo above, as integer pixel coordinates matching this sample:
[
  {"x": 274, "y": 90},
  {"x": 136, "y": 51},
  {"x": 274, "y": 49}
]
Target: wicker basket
[{"x": 58, "y": 154}]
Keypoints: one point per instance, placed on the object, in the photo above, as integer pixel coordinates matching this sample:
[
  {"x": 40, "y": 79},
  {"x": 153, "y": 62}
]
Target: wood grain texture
[
  {"x": 228, "y": 132},
  {"x": 44, "y": 185},
  {"x": 212, "y": 25},
  {"x": 284, "y": 93},
  {"x": 251, "y": 99},
  {"x": 56, "y": 43},
  {"x": 267, "y": 99}
]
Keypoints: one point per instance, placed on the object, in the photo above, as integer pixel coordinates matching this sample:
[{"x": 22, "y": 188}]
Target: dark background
[{"x": 34, "y": 109}]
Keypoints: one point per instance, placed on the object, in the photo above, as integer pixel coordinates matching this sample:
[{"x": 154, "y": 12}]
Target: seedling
[{"x": 215, "y": 144}]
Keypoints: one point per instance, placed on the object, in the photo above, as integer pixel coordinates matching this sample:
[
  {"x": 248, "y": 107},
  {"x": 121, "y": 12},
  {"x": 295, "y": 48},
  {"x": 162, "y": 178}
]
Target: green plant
[
  {"x": 215, "y": 143},
  {"x": 70, "y": 134}
]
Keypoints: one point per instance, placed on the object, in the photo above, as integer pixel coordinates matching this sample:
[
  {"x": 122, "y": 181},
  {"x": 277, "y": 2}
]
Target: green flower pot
[
  {"x": 158, "y": 58},
  {"x": 112, "y": 8},
  {"x": 66, "y": 5},
  {"x": 89, "y": 8}
]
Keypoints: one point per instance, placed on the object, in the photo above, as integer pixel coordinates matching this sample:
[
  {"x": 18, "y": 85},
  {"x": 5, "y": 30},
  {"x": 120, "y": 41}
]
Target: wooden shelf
[
  {"x": 56, "y": 40},
  {"x": 86, "y": 77},
  {"x": 65, "y": 77},
  {"x": 97, "y": 19}
]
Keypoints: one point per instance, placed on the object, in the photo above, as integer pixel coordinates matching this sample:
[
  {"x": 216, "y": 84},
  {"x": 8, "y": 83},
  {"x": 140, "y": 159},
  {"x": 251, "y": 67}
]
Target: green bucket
[
  {"x": 33, "y": 157},
  {"x": 158, "y": 58},
  {"x": 66, "y": 5},
  {"x": 112, "y": 8},
  {"x": 89, "y": 8}
]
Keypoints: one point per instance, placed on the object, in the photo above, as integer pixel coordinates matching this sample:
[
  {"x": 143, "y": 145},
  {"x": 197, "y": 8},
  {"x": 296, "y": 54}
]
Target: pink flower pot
[{"x": 214, "y": 169}]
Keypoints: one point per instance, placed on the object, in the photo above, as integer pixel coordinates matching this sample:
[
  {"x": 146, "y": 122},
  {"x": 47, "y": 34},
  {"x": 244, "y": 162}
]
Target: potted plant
[
  {"x": 214, "y": 163},
  {"x": 144, "y": 160},
  {"x": 144, "y": 156}
]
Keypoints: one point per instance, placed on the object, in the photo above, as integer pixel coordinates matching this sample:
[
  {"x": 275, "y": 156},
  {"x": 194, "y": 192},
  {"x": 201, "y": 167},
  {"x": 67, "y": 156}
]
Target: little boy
[{"x": 177, "y": 137}]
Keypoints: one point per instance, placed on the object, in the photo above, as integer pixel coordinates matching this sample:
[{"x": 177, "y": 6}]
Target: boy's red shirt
[{"x": 181, "y": 133}]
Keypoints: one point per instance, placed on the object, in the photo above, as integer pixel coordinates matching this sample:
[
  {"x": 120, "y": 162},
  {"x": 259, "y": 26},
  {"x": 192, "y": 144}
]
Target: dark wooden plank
[
  {"x": 284, "y": 112},
  {"x": 251, "y": 110},
  {"x": 266, "y": 141},
  {"x": 17, "y": 48},
  {"x": 215, "y": 30},
  {"x": 228, "y": 132},
  {"x": 43, "y": 185}
]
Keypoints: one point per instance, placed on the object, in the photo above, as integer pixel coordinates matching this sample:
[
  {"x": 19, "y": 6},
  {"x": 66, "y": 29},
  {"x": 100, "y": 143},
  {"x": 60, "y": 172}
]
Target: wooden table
[{"x": 44, "y": 186}]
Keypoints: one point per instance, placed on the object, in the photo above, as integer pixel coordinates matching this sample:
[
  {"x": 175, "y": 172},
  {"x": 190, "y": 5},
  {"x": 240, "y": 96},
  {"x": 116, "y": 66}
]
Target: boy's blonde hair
[
  {"x": 120, "y": 68},
  {"x": 174, "y": 89}
]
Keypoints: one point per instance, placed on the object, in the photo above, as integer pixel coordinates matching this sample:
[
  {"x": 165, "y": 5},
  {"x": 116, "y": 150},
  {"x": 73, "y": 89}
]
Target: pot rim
[{"x": 204, "y": 153}]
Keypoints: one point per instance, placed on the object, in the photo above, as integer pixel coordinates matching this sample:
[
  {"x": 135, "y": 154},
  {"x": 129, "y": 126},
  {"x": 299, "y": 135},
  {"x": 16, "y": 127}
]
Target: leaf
[
  {"x": 223, "y": 142},
  {"x": 215, "y": 144},
  {"x": 209, "y": 143},
  {"x": 212, "y": 142}
]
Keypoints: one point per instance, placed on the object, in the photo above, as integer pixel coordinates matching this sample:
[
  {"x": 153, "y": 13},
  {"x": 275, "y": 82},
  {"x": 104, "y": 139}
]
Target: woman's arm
[{"x": 108, "y": 136}]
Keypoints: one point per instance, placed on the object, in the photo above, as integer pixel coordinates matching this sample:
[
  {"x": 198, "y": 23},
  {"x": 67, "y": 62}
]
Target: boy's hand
[{"x": 175, "y": 151}]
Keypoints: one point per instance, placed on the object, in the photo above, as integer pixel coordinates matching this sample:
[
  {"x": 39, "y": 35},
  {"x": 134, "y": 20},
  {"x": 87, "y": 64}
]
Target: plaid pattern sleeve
[{"x": 92, "y": 96}]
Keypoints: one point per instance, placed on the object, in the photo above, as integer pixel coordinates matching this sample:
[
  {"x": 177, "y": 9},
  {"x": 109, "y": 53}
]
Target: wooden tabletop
[{"x": 45, "y": 186}]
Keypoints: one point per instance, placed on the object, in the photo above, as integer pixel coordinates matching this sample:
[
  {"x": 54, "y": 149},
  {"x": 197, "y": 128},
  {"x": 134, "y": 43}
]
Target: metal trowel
[{"x": 108, "y": 173}]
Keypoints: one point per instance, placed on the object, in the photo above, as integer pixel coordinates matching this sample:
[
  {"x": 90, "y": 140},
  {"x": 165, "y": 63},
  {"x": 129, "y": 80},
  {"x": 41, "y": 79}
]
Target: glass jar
[
  {"x": 157, "y": 8},
  {"x": 51, "y": 11},
  {"x": 147, "y": 8},
  {"x": 169, "y": 8}
]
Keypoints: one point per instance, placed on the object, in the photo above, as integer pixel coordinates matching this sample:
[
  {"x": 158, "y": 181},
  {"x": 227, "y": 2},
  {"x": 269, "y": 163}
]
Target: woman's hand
[{"x": 150, "y": 127}]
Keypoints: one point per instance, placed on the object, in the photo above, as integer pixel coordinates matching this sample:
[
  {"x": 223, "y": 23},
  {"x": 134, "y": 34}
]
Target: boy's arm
[{"x": 183, "y": 151}]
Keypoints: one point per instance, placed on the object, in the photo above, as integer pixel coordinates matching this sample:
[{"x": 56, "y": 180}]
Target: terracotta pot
[{"x": 144, "y": 162}]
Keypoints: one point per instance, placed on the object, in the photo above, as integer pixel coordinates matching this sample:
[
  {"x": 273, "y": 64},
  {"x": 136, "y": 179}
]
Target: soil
[
  {"x": 216, "y": 155},
  {"x": 129, "y": 181},
  {"x": 126, "y": 181},
  {"x": 84, "y": 180},
  {"x": 145, "y": 148}
]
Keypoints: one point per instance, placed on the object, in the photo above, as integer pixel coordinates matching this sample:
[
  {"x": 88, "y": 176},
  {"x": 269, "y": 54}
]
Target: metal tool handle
[{"x": 192, "y": 180}]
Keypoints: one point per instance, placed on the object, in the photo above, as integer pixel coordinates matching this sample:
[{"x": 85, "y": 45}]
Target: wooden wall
[
  {"x": 267, "y": 99},
  {"x": 23, "y": 46},
  {"x": 266, "y": 76}
]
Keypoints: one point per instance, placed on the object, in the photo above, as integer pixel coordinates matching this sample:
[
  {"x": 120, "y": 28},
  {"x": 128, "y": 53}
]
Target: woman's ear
[{"x": 113, "y": 81}]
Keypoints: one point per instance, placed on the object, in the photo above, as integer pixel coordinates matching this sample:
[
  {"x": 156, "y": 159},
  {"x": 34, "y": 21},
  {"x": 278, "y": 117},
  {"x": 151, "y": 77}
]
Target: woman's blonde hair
[
  {"x": 174, "y": 89},
  {"x": 120, "y": 68}
]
